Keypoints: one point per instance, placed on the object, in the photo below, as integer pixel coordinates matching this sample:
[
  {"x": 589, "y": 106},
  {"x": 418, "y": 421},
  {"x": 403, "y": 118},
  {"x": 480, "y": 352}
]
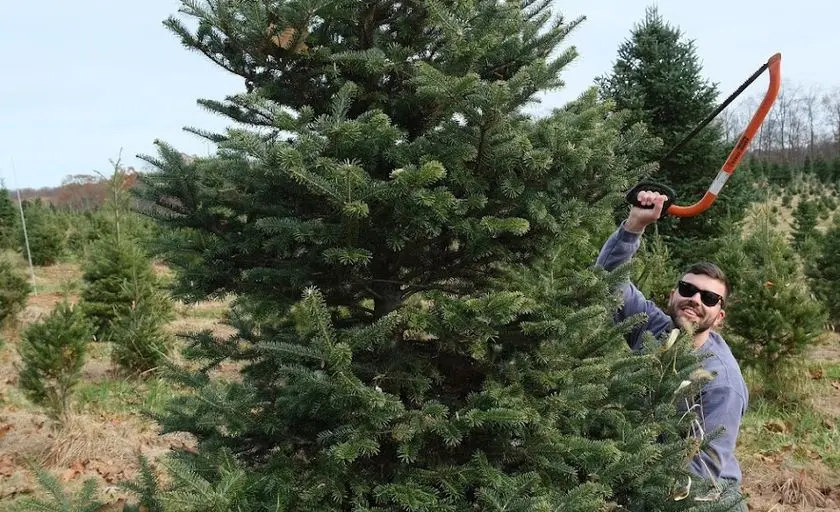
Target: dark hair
[{"x": 706, "y": 268}]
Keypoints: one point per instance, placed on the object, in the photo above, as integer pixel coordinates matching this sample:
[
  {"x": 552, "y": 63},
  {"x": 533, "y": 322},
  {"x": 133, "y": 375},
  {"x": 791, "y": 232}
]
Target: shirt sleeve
[{"x": 619, "y": 249}]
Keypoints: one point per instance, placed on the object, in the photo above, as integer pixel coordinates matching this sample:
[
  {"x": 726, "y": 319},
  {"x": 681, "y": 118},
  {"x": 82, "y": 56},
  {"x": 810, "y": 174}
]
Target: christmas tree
[
  {"x": 824, "y": 273},
  {"x": 775, "y": 317},
  {"x": 120, "y": 285},
  {"x": 43, "y": 232},
  {"x": 53, "y": 351},
  {"x": 8, "y": 219},
  {"x": 420, "y": 323},
  {"x": 657, "y": 77}
]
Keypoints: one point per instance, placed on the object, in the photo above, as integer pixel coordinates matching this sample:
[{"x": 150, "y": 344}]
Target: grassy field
[
  {"x": 790, "y": 455},
  {"x": 107, "y": 428}
]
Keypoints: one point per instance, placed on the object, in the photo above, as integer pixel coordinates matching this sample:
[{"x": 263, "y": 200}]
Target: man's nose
[{"x": 694, "y": 299}]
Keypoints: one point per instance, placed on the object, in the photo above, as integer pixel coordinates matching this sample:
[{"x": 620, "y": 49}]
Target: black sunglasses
[{"x": 708, "y": 298}]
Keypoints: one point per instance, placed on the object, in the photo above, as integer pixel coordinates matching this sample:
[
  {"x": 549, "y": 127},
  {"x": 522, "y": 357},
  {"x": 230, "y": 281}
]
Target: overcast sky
[{"x": 83, "y": 79}]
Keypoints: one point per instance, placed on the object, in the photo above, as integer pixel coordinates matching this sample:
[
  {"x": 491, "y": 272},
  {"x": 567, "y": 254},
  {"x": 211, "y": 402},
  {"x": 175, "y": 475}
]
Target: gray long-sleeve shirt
[{"x": 722, "y": 401}]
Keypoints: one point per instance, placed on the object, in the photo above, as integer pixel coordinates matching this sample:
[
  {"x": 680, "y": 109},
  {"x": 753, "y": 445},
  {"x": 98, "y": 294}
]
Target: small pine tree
[
  {"x": 773, "y": 317},
  {"x": 58, "y": 498},
  {"x": 8, "y": 220},
  {"x": 825, "y": 272},
  {"x": 44, "y": 233},
  {"x": 53, "y": 351},
  {"x": 121, "y": 290},
  {"x": 807, "y": 166},
  {"x": 108, "y": 294},
  {"x": 822, "y": 170},
  {"x": 805, "y": 223},
  {"x": 14, "y": 291},
  {"x": 87, "y": 498},
  {"x": 139, "y": 339},
  {"x": 835, "y": 171}
]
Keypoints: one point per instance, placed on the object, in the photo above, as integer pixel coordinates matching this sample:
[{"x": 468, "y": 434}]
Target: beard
[{"x": 681, "y": 312}]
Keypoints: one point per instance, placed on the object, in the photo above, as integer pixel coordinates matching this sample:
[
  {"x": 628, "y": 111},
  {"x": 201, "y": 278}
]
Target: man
[{"x": 697, "y": 303}]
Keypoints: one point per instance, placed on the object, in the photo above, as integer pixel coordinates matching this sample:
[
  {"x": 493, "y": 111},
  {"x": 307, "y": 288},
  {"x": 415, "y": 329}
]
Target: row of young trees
[
  {"x": 419, "y": 322},
  {"x": 121, "y": 300}
]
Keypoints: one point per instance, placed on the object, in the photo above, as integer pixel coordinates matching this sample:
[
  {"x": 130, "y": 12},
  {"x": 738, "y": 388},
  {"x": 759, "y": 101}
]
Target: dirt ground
[
  {"x": 92, "y": 445},
  {"x": 774, "y": 481}
]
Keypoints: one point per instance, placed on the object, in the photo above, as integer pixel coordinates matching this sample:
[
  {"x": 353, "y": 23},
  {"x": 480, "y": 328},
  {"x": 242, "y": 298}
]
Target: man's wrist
[{"x": 634, "y": 227}]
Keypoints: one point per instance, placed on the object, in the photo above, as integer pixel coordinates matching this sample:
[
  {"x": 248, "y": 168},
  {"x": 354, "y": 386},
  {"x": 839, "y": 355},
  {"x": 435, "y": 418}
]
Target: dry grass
[
  {"x": 105, "y": 433},
  {"x": 87, "y": 446},
  {"x": 791, "y": 456}
]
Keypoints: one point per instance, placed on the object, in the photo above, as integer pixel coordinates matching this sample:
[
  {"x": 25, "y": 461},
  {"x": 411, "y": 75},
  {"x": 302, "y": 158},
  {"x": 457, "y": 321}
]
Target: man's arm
[
  {"x": 619, "y": 249},
  {"x": 720, "y": 405}
]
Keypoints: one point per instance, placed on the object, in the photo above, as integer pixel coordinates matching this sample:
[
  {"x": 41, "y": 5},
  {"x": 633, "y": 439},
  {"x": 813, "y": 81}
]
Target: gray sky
[{"x": 76, "y": 90}]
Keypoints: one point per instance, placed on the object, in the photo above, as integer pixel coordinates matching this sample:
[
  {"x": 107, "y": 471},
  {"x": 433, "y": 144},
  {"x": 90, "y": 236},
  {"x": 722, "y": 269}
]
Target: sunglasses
[{"x": 708, "y": 298}]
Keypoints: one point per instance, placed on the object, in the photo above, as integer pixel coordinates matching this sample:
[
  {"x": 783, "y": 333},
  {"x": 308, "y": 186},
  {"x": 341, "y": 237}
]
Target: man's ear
[{"x": 720, "y": 318}]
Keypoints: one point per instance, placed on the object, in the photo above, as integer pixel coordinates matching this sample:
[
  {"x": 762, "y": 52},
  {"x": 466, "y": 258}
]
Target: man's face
[{"x": 691, "y": 310}]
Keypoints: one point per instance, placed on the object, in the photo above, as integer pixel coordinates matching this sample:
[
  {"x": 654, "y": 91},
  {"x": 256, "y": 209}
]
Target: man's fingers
[
  {"x": 645, "y": 198},
  {"x": 648, "y": 198},
  {"x": 657, "y": 205}
]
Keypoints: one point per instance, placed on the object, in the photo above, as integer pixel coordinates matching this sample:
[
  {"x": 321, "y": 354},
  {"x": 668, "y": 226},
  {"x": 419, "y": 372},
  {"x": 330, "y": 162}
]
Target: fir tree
[
  {"x": 8, "y": 220},
  {"x": 658, "y": 78},
  {"x": 113, "y": 267},
  {"x": 805, "y": 223},
  {"x": 655, "y": 274},
  {"x": 43, "y": 232},
  {"x": 14, "y": 291},
  {"x": 825, "y": 272},
  {"x": 419, "y": 323},
  {"x": 822, "y": 170},
  {"x": 58, "y": 498},
  {"x": 120, "y": 285},
  {"x": 53, "y": 351},
  {"x": 137, "y": 332},
  {"x": 773, "y": 318}
]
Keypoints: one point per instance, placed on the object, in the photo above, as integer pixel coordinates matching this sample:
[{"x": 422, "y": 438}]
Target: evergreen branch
[
  {"x": 292, "y": 164},
  {"x": 292, "y": 349},
  {"x": 191, "y": 42}
]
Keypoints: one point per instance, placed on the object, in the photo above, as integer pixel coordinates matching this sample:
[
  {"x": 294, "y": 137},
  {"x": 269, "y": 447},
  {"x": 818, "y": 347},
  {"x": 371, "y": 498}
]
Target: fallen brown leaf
[
  {"x": 777, "y": 426},
  {"x": 117, "y": 506},
  {"x": 75, "y": 469},
  {"x": 5, "y": 428},
  {"x": 109, "y": 471},
  {"x": 182, "y": 446},
  {"x": 7, "y": 466},
  {"x": 765, "y": 458}
]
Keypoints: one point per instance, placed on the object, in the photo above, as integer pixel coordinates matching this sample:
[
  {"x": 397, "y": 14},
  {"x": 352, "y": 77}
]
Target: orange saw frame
[{"x": 735, "y": 156}]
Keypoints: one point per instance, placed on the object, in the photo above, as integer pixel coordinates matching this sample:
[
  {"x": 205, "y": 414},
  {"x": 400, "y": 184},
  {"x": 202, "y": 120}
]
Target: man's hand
[{"x": 640, "y": 218}]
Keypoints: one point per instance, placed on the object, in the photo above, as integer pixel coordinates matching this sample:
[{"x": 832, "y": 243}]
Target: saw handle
[{"x": 632, "y": 196}]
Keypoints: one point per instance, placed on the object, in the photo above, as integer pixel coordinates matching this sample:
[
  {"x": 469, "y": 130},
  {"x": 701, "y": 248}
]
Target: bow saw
[{"x": 735, "y": 156}]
